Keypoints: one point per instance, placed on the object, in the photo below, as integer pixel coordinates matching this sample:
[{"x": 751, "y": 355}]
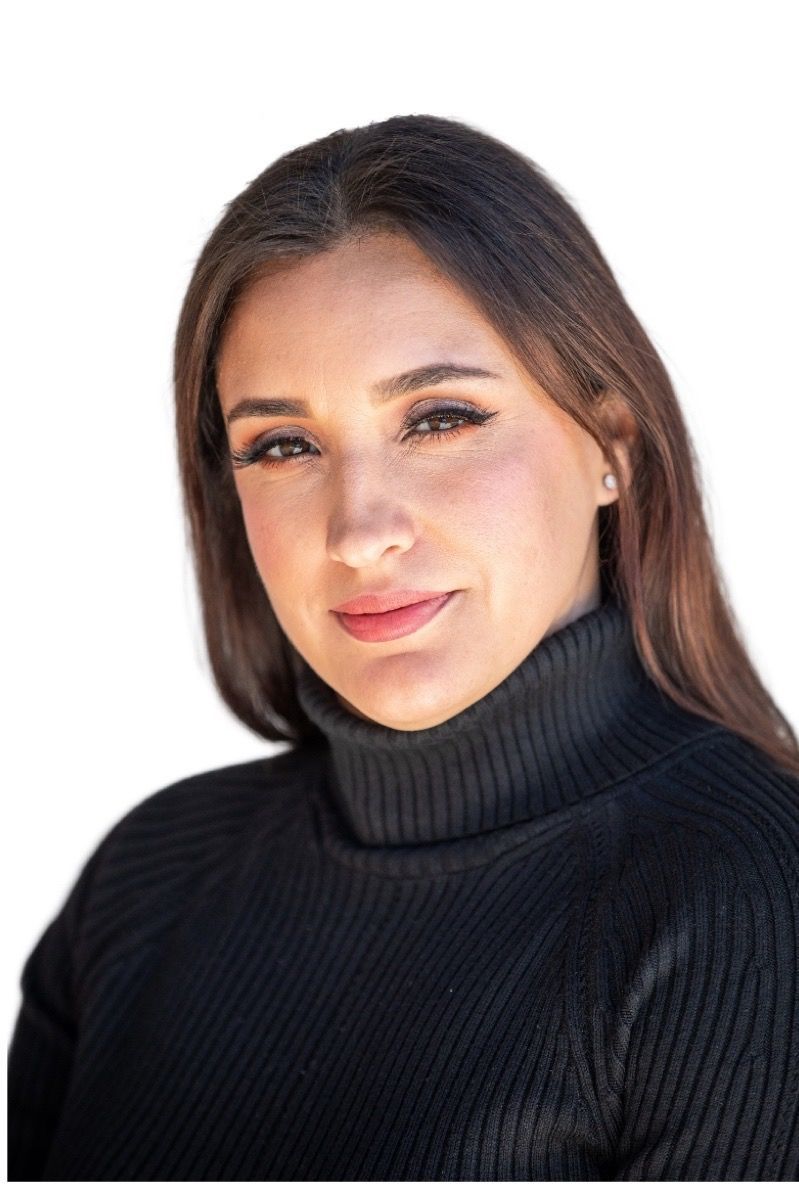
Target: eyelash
[{"x": 257, "y": 450}]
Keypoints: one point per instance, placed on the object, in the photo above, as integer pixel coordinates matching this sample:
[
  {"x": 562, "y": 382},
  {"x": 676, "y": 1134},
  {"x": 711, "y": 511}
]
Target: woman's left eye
[
  {"x": 258, "y": 451},
  {"x": 446, "y": 414}
]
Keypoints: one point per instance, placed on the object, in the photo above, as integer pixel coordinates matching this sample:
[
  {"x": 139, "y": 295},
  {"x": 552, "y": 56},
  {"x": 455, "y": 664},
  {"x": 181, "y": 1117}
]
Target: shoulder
[
  {"x": 718, "y": 799},
  {"x": 178, "y": 840},
  {"x": 214, "y": 804},
  {"x": 690, "y": 929},
  {"x": 691, "y": 1021},
  {"x": 699, "y": 850},
  {"x": 205, "y": 810},
  {"x": 695, "y": 870}
]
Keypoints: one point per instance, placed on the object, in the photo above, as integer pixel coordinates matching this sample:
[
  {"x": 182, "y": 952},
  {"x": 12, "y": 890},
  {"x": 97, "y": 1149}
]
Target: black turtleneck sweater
[{"x": 552, "y": 938}]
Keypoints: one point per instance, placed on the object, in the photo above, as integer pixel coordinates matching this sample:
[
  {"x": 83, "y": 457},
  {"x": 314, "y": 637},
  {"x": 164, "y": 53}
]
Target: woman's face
[{"x": 365, "y": 498}]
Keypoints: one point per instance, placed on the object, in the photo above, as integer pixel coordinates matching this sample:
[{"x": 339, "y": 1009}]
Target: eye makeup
[{"x": 258, "y": 450}]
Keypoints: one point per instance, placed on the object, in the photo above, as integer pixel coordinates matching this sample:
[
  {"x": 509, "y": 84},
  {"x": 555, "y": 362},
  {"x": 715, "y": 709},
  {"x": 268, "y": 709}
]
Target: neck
[{"x": 577, "y": 714}]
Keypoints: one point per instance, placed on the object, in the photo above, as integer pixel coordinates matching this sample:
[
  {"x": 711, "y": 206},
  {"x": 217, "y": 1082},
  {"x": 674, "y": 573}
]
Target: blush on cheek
[
  {"x": 264, "y": 537},
  {"x": 540, "y": 494},
  {"x": 517, "y": 493}
]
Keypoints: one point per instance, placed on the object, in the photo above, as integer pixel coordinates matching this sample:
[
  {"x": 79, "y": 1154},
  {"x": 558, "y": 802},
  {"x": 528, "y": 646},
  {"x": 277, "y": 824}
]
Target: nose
[{"x": 368, "y": 516}]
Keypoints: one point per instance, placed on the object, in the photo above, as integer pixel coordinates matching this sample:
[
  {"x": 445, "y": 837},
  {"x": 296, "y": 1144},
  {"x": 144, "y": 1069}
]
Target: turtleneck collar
[{"x": 576, "y": 715}]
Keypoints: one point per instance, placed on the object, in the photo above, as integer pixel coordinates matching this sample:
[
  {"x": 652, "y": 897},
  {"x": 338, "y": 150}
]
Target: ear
[{"x": 621, "y": 430}]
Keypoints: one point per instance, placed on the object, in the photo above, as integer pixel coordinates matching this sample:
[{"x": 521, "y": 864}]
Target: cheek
[
  {"x": 273, "y": 541},
  {"x": 512, "y": 499},
  {"x": 527, "y": 510}
]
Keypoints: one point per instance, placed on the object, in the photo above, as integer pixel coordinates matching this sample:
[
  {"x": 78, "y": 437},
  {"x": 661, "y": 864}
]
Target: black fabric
[{"x": 553, "y": 938}]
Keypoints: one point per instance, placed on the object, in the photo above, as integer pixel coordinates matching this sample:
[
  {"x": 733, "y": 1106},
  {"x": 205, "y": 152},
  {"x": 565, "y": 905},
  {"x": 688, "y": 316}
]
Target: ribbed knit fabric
[{"x": 553, "y": 938}]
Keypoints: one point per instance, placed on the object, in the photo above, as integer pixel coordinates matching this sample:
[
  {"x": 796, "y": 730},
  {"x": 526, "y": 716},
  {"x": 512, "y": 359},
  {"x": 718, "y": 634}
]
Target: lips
[
  {"x": 381, "y": 602},
  {"x": 396, "y": 622}
]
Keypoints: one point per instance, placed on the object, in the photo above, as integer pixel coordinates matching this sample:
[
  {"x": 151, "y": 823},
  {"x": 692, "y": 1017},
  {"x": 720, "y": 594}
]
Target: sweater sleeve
[
  {"x": 43, "y": 1040},
  {"x": 695, "y": 1029}
]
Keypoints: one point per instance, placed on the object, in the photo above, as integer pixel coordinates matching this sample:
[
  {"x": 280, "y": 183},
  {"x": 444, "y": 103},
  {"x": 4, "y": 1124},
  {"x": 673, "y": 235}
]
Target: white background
[{"x": 669, "y": 126}]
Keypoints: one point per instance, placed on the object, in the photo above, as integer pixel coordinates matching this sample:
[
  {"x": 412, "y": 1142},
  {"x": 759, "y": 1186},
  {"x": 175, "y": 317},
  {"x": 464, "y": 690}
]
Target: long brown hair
[{"x": 489, "y": 219}]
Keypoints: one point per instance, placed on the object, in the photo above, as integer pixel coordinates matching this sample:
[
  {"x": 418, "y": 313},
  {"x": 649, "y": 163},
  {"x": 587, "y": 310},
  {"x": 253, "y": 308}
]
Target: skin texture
[{"x": 506, "y": 512}]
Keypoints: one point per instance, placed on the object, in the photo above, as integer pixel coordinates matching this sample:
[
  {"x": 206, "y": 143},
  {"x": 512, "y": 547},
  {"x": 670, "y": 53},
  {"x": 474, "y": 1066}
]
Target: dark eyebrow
[{"x": 387, "y": 389}]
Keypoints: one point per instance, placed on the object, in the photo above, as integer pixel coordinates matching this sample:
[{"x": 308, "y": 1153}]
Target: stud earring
[{"x": 609, "y": 480}]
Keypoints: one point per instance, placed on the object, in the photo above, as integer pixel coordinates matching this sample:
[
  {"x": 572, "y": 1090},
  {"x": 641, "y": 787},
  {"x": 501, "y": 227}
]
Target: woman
[{"x": 520, "y": 899}]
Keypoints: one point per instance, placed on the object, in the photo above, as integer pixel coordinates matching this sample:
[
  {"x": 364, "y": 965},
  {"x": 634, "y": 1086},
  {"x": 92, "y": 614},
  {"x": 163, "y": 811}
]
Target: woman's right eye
[{"x": 258, "y": 452}]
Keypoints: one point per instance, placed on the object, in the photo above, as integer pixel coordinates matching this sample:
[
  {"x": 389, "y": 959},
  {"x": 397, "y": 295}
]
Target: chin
[{"x": 405, "y": 719}]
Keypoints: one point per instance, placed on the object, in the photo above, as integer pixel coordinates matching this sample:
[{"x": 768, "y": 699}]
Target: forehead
[{"x": 376, "y": 304}]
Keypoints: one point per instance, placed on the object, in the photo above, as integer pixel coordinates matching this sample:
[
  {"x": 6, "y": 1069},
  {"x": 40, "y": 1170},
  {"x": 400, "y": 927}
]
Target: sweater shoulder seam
[{"x": 656, "y": 765}]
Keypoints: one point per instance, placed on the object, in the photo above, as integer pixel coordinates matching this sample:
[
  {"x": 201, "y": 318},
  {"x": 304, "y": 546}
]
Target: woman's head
[
  {"x": 363, "y": 494},
  {"x": 353, "y": 260}
]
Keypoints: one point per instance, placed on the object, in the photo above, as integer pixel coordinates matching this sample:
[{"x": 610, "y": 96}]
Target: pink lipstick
[{"x": 395, "y": 622}]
